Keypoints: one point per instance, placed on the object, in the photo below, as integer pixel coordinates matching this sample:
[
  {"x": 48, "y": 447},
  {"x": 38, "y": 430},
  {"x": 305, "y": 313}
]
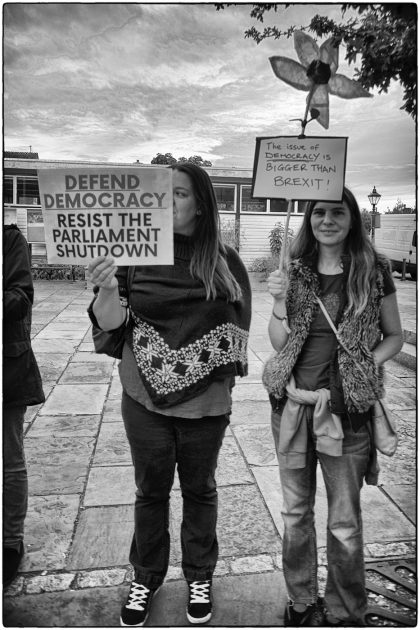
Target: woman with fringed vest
[
  {"x": 322, "y": 404},
  {"x": 186, "y": 341}
]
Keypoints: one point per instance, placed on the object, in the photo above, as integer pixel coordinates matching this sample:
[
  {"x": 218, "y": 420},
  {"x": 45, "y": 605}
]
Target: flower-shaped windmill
[{"x": 316, "y": 74}]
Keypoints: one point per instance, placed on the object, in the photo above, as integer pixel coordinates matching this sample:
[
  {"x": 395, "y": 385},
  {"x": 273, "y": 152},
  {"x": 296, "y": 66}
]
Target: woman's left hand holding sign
[{"x": 101, "y": 272}]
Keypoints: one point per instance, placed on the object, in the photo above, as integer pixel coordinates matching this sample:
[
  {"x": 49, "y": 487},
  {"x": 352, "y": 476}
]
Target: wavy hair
[
  {"x": 208, "y": 262},
  {"x": 357, "y": 246}
]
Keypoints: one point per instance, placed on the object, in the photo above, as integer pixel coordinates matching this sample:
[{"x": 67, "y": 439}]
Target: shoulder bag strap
[{"x": 343, "y": 345}]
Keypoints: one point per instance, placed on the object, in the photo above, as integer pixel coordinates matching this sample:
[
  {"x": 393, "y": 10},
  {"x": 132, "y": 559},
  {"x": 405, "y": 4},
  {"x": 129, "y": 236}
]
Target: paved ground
[{"x": 79, "y": 524}]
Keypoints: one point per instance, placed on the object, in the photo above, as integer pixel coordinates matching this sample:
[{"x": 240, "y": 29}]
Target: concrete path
[{"x": 80, "y": 517}]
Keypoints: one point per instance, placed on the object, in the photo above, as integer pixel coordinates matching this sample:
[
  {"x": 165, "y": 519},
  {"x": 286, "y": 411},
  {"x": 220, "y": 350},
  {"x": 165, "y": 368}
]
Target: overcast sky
[{"x": 122, "y": 82}]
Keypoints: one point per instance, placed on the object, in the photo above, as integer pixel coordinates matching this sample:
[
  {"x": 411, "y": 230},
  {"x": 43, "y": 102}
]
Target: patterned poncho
[{"x": 180, "y": 340}]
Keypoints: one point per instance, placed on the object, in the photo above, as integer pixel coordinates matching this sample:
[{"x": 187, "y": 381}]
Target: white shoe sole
[
  {"x": 199, "y": 620},
  {"x": 136, "y": 625}
]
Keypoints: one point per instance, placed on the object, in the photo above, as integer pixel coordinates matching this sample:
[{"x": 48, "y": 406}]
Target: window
[
  {"x": 8, "y": 190},
  {"x": 27, "y": 191},
  {"x": 225, "y": 197},
  {"x": 251, "y": 204},
  {"x": 280, "y": 205},
  {"x": 36, "y": 232}
]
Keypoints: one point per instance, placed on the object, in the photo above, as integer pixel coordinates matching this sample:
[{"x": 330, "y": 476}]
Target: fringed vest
[{"x": 361, "y": 334}]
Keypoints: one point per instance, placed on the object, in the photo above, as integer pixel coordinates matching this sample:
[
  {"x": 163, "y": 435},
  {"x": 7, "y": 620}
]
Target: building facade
[{"x": 250, "y": 219}]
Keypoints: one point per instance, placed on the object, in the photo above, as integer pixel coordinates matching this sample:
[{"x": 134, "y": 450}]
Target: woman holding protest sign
[
  {"x": 322, "y": 397},
  {"x": 186, "y": 340}
]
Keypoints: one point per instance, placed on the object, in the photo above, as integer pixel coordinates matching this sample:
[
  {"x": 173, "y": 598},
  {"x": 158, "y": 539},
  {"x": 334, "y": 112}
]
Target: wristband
[{"x": 283, "y": 320}]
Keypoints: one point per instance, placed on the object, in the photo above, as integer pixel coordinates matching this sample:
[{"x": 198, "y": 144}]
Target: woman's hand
[
  {"x": 277, "y": 284},
  {"x": 101, "y": 272}
]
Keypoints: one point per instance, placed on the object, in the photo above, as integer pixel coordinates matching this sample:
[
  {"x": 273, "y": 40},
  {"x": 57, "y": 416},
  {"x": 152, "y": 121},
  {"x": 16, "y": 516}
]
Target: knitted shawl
[
  {"x": 360, "y": 334},
  {"x": 180, "y": 340}
]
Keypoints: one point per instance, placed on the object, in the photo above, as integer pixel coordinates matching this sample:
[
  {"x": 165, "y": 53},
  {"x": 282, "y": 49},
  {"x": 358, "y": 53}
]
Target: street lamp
[{"x": 375, "y": 216}]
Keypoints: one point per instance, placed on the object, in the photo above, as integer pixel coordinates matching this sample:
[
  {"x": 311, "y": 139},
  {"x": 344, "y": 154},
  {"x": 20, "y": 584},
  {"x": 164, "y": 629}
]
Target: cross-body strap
[{"x": 343, "y": 345}]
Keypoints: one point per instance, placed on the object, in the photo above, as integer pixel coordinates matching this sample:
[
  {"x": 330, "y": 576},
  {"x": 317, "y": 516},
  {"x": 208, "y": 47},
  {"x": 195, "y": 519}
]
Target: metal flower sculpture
[{"x": 316, "y": 74}]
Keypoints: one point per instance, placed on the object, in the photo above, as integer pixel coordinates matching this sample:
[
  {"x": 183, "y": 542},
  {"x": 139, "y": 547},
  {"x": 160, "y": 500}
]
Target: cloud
[{"x": 120, "y": 82}]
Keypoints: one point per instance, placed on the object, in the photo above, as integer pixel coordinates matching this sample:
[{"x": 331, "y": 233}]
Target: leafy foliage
[
  {"x": 264, "y": 264},
  {"x": 231, "y": 233},
  {"x": 168, "y": 158},
  {"x": 276, "y": 238},
  {"x": 382, "y": 36},
  {"x": 267, "y": 264},
  {"x": 57, "y": 272},
  {"x": 401, "y": 208},
  {"x": 366, "y": 220}
]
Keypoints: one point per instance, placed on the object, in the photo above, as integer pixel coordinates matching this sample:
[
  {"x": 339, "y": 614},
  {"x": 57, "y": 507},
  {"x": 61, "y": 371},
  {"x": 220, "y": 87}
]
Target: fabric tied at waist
[{"x": 293, "y": 434}]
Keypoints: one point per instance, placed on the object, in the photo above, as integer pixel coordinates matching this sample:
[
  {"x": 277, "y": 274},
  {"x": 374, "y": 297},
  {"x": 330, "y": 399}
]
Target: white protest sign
[
  {"x": 288, "y": 167},
  {"x": 125, "y": 213}
]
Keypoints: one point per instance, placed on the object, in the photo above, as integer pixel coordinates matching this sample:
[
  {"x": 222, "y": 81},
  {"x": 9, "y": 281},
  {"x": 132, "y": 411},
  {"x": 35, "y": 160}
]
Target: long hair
[
  {"x": 208, "y": 262},
  {"x": 357, "y": 246}
]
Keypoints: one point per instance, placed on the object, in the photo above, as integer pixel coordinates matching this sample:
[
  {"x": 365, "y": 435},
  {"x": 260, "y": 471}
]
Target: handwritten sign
[
  {"x": 288, "y": 167},
  {"x": 124, "y": 213}
]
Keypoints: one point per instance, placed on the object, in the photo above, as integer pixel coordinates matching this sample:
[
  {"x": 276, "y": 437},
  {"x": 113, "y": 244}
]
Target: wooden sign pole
[{"x": 286, "y": 233}]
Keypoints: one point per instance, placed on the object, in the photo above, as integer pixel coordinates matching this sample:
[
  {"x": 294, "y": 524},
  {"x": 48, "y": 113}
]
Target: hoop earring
[{"x": 198, "y": 212}]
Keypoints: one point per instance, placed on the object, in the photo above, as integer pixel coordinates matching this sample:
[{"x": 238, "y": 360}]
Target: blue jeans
[
  {"x": 345, "y": 594},
  {"x": 158, "y": 443},
  {"x": 15, "y": 477}
]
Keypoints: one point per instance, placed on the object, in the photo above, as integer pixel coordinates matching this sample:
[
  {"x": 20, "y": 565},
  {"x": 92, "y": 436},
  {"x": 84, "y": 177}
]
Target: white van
[{"x": 397, "y": 239}]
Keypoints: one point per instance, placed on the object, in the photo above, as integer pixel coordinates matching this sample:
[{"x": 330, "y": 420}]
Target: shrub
[
  {"x": 265, "y": 264},
  {"x": 57, "y": 272},
  {"x": 276, "y": 238},
  {"x": 231, "y": 233}
]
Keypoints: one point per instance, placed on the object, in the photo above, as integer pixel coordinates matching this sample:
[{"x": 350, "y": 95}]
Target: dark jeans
[
  {"x": 15, "y": 478},
  {"x": 345, "y": 594},
  {"x": 158, "y": 443}
]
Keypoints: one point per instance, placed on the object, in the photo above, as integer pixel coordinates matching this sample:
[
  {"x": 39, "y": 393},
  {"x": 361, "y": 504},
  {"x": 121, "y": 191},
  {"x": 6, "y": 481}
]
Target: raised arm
[
  {"x": 106, "y": 308},
  {"x": 278, "y": 326}
]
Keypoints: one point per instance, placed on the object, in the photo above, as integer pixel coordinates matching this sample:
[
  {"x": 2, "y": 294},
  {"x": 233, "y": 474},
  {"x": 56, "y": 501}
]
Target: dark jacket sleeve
[
  {"x": 18, "y": 289},
  {"x": 22, "y": 383}
]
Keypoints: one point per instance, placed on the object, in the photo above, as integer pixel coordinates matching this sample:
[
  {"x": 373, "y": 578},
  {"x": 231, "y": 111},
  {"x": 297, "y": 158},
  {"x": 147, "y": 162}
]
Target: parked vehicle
[{"x": 397, "y": 239}]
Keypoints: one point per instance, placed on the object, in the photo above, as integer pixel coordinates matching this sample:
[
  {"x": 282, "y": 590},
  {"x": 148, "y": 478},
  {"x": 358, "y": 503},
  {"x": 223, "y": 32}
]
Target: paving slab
[
  {"x": 257, "y": 444},
  {"x": 242, "y": 601},
  {"x": 63, "y": 466},
  {"x": 248, "y": 391},
  {"x": 232, "y": 468},
  {"x": 402, "y": 398},
  {"x": 112, "y": 447},
  {"x": 86, "y": 346},
  {"x": 51, "y": 365},
  {"x": 41, "y": 317},
  {"x": 405, "y": 498},
  {"x": 115, "y": 391},
  {"x": 110, "y": 485},
  {"x": 103, "y": 537},
  {"x": 112, "y": 411},
  {"x": 244, "y": 524},
  {"x": 87, "y": 372},
  {"x": 392, "y": 525},
  {"x": 401, "y": 468},
  {"x": 65, "y": 426},
  {"x": 54, "y": 346},
  {"x": 49, "y": 528},
  {"x": 251, "y": 412},
  {"x": 68, "y": 399},
  {"x": 91, "y": 357},
  {"x": 48, "y": 333}
]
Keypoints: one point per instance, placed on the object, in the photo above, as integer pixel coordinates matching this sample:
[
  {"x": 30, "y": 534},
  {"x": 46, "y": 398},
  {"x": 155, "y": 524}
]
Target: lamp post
[{"x": 375, "y": 216}]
